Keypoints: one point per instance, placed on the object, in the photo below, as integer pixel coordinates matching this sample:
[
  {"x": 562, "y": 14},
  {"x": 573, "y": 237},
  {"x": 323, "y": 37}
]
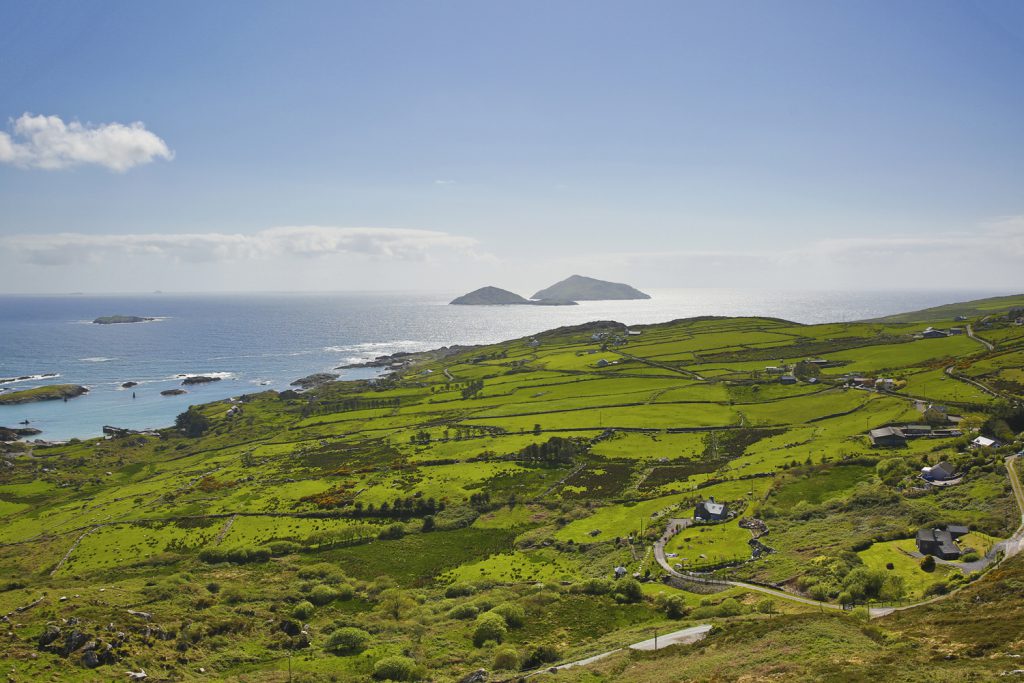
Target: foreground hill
[
  {"x": 581, "y": 288},
  {"x": 472, "y": 509}
]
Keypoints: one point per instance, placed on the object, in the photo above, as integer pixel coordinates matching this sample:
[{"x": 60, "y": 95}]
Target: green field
[{"x": 411, "y": 507}]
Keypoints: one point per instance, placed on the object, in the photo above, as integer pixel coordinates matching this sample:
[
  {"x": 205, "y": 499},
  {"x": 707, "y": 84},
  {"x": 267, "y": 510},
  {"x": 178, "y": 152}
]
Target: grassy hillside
[{"x": 468, "y": 512}]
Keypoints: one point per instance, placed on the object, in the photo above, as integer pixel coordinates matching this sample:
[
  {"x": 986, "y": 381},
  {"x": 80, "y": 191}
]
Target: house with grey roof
[{"x": 710, "y": 511}]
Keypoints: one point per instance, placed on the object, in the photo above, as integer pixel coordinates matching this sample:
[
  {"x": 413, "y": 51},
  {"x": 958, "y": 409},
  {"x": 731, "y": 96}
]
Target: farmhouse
[
  {"x": 886, "y": 383},
  {"x": 984, "y": 442},
  {"x": 932, "y": 333},
  {"x": 710, "y": 511},
  {"x": 787, "y": 379},
  {"x": 887, "y": 437},
  {"x": 940, "y": 542},
  {"x": 943, "y": 471}
]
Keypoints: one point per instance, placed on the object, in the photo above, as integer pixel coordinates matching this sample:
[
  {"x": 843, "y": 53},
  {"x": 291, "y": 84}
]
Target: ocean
[{"x": 265, "y": 341}]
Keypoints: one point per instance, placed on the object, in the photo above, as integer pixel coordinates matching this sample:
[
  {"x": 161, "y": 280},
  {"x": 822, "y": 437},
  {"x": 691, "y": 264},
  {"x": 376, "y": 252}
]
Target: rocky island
[
  {"x": 53, "y": 392},
  {"x": 117, "y": 319},
  {"x": 581, "y": 288},
  {"x": 199, "y": 379},
  {"x": 495, "y": 296},
  {"x": 314, "y": 380}
]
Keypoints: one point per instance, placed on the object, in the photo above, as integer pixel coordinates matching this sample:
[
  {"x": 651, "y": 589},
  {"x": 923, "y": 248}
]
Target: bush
[
  {"x": 303, "y": 610},
  {"x": 394, "y": 668},
  {"x": 506, "y": 658},
  {"x": 279, "y": 548},
  {"x": 428, "y": 524},
  {"x": 675, "y": 607},
  {"x": 860, "y": 613},
  {"x": 458, "y": 590},
  {"x": 628, "y": 590},
  {"x": 730, "y": 608},
  {"x": 213, "y": 587},
  {"x": 514, "y": 615},
  {"x": 970, "y": 557},
  {"x": 766, "y": 606},
  {"x": 928, "y": 563},
  {"x": 322, "y": 594},
  {"x": 235, "y": 555},
  {"x": 489, "y": 626},
  {"x": 463, "y": 611},
  {"x": 348, "y": 640},
  {"x": 595, "y": 586},
  {"x": 392, "y": 532},
  {"x": 540, "y": 655}
]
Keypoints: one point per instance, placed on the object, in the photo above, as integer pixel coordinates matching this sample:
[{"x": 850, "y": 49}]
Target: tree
[
  {"x": 766, "y": 606},
  {"x": 928, "y": 563},
  {"x": 348, "y": 640},
  {"x": 429, "y": 524},
  {"x": 675, "y": 607}
]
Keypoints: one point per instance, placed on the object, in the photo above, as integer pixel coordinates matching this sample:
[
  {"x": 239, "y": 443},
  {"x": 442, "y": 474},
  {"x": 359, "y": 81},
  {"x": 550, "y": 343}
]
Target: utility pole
[{"x": 655, "y": 639}]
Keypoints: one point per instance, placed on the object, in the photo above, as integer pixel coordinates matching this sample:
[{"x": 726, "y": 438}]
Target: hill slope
[{"x": 489, "y": 296}]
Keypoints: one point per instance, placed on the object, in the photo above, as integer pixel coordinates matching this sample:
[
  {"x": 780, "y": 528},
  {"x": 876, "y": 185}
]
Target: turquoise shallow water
[{"x": 268, "y": 340}]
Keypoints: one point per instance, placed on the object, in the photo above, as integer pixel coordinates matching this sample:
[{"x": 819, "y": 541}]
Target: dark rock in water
[
  {"x": 15, "y": 433},
  {"x": 489, "y": 296},
  {"x": 116, "y": 319},
  {"x": 129, "y": 385},
  {"x": 314, "y": 380},
  {"x": 580, "y": 288},
  {"x": 173, "y": 392},
  {"x": 199, "y": 379}
]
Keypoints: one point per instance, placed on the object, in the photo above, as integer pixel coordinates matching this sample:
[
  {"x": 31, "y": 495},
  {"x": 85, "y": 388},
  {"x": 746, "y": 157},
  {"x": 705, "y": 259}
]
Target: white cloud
[
  {"x": 988, "y": 255},
  {"x": 444, "y": 182},
  {"x": 293, "y": 241},
  {"x": 47, "y": 142}
]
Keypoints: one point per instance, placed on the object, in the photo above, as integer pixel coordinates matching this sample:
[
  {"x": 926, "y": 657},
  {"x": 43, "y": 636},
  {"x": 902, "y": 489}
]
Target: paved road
[
  {"x": 686, "y": 635},
  {"x": 988, "y": 345}
]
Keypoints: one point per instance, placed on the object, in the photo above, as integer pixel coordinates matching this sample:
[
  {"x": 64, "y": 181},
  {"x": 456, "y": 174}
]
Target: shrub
[
  {"x": 303, "y": 610},
  {"x": 345, "y": 592},
  {"x": 540, "y": 655},
  {"x": 279, "y": 548},
  {"x": 595, "y": 586},
  {"x": 514, "y": 615},
  {"x": 463, "y": 611},
  {"x": 730, "y": 608},
  {"x": 322, "y": 594},
  {"x": 675, "y": 607},
  {"x": 392, "y": 532},
  {"x": 489, "y": 626},
  {"x": 235, "y": 555},
  {"x": 213, "y": 587},
  {"x": 937, "y": 588},
  {"x": 928, "y": 563},
  {"x": 394, "y": 668},
  {"x": 766, "y": 606},
  {"x": 428, "y": 524},
  {"x": 506, "y": 658},
  {"x": 970, "y": 557},
  {"x": 628, "y": 590},
  {"x": 348, "y": 640},
  {"x": 458, "y": 590},
  {"x": 860, "y": 613}
]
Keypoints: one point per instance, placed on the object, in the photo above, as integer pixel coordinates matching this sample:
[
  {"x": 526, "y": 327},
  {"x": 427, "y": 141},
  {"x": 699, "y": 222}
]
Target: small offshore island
[
  {"x": 118, "y": 319},
  {"x": 565, "y": 293},
  {"x": 53, "y": 392}
]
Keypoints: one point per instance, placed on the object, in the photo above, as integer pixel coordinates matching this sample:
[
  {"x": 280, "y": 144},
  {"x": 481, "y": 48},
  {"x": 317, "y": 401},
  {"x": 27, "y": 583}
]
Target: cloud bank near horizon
[
  {"x": 48, "y": 143},
  {"x": 310, "y": 241}
]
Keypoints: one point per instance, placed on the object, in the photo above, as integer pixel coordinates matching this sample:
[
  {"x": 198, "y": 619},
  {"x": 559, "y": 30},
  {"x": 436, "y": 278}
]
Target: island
[
  {"x": 52, "y": 392},
  {"x": 173, "y": 392},
  {"x": 495, "y": 296},
  {"x": 581, "y": 288},
  {"x": 199, "y": 379},
  {"x": 117, "y": 319}
]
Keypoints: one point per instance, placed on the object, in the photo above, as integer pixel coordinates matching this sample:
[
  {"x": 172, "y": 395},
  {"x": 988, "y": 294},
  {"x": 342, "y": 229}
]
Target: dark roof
[
  {"x": 942, "y": 537},
  {"x": 957, "y": 530}
]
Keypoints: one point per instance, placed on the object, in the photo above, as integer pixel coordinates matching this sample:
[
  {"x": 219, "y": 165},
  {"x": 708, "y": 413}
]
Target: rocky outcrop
[
  {"x": 581, "y": 288},
  {"x": 199, "y": 379},
  {"x": 314, "y": 380},
  {"x": 173, "y": 392},
  {"x": 118, "y": 319},
  {"x": 129, "y": 385}
]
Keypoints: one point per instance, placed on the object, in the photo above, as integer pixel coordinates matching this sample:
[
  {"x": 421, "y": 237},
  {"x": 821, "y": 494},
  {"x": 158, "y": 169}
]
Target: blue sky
[{"x": 391, "y": 145}]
